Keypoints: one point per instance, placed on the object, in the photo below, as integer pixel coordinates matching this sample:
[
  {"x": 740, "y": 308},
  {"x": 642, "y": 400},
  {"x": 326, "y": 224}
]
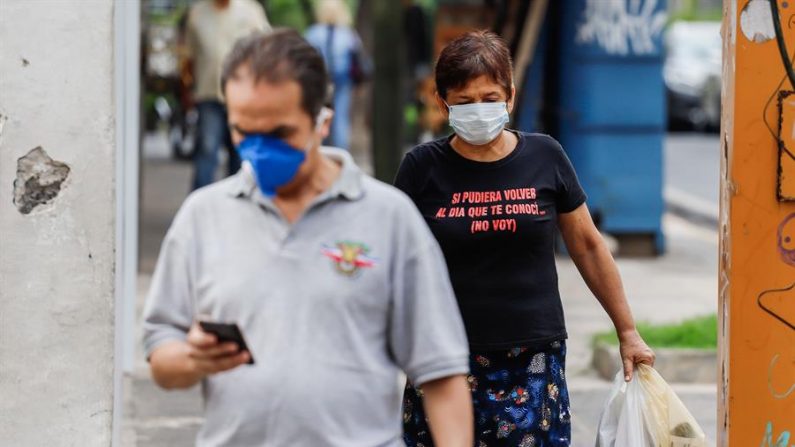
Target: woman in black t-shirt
[{"x": 493, "y": 198}]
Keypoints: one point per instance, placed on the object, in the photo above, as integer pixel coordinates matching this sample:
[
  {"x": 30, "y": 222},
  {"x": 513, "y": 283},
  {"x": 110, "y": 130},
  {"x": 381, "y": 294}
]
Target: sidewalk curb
[
  {"x": 677, "y": 366},
  {"x": 691, "y": 207}
]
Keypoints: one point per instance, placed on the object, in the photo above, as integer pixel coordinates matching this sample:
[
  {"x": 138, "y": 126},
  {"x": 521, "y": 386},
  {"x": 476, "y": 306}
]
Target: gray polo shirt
[{"x": 332, "y": 308}]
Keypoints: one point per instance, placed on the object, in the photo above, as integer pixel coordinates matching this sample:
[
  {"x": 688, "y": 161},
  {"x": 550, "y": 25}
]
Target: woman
[
  {"x": 493, "y": 198},
  {"x": 341, "y": 48}
]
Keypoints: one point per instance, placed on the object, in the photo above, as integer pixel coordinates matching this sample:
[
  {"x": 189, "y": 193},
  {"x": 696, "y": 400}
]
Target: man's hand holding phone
[
  {"x": 210, "y": 348},
  {"x": 211, "y": 355}
]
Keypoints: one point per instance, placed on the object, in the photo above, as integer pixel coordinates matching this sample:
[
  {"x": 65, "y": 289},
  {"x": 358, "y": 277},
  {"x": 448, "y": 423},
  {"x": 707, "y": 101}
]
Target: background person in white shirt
[{"x": 213, "y": 27}]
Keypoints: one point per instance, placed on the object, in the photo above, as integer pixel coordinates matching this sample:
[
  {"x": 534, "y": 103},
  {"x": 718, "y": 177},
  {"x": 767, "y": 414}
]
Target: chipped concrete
[
  {"x": 39, "y": 180},
  {"x": 756, "y": 21},
  {"x": 57, "y": 305}
]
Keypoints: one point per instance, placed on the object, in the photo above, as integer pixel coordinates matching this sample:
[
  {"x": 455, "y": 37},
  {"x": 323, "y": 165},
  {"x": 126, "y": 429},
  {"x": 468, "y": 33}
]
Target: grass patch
[
  {"x": 709, "y": 15},
  {"x": 701, "y": 332}
]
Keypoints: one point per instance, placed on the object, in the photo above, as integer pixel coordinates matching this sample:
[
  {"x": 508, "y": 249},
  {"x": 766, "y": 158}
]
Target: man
[
  {"x": 333, "y": 278},
  {"x": 212, "y": 28}
]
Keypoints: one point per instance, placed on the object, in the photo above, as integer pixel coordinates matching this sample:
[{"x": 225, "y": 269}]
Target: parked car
[{"x": 692, "y": 74}]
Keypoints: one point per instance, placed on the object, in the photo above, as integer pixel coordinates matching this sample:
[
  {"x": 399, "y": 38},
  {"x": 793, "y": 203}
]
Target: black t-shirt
[{"x": 495, "y": 222}]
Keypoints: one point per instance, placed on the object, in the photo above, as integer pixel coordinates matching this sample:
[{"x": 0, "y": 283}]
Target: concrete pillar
[
  {"x": 57, "y": 217},
  {"x": 757, "y": 230}
]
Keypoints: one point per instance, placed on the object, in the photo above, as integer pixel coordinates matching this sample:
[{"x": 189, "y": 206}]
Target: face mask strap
[{"x": 322, "y": 116}]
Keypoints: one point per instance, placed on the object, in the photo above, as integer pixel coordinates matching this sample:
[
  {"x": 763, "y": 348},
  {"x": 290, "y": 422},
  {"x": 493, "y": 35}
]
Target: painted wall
[
  {"x": 757, "y": 298},
  {"x": 57, "y": 212}
]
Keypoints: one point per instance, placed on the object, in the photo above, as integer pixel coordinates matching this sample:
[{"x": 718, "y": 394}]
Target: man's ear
[
  {"x": 442, "y": 105},
  {"x": 325, "y": 117},
  {"x": 513, "y": 97}
]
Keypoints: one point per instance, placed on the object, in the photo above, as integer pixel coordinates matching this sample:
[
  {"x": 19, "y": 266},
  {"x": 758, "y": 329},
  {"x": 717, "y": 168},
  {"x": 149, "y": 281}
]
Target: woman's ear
[{"x": 442, "y": 105}]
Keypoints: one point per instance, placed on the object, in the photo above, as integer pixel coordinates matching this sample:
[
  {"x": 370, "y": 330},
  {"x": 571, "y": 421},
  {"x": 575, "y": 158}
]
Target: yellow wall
[{"x": 757, "y": 239}]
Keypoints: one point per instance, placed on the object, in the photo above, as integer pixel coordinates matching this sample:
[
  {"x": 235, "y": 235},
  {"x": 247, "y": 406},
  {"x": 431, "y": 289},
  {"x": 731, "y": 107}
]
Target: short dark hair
[
  {"x": 281, "y": 55},
  {"x": 470, "y": 56}
]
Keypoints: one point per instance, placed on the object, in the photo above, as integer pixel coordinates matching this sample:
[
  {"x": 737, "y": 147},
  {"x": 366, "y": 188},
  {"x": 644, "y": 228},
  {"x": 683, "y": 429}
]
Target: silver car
[{"x": 692, "y": 74}]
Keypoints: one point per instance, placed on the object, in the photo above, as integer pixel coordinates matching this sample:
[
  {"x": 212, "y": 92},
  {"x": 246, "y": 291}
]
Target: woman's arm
[{"x": 597, "y": 267}]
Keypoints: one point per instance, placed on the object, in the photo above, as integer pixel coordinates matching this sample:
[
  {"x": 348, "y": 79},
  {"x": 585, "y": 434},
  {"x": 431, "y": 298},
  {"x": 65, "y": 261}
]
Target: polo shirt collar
[{"x": 348, "y": 185}]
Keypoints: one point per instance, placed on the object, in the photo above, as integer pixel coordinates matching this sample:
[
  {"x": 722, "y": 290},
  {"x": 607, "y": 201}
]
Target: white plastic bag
[{"x": 646, "y": 413}]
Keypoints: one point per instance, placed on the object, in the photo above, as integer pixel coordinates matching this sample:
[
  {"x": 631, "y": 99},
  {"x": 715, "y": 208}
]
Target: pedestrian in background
[
  {"x": 332, "y": 276},
  {"x": 494, "y": 198},
  {"x": 347, "y": 63},
  {"x": 212, "y": 28}
]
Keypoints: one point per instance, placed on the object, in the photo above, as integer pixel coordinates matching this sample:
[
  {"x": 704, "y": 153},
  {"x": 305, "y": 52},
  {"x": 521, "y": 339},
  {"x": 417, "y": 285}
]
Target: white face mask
[{"x": 478, "y": 123}]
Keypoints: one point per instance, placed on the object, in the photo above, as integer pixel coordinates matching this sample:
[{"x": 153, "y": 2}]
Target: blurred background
[{"x": 632, "y": 90}]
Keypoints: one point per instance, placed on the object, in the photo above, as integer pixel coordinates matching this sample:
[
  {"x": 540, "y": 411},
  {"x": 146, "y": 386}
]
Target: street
[
  {"x": 680, "y": 284},
  {"x": 654, "y": 224},
  {"x": 692, "y": 173}
]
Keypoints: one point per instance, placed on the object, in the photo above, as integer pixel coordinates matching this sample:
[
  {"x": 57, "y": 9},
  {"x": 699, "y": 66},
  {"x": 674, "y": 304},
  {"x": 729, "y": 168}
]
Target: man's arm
[
  {"x": 181, "y": 364},
  {"x": 427, "y": 335},
  {"x": 180, "y": 354},
  {"x": 448, "y": 405}
]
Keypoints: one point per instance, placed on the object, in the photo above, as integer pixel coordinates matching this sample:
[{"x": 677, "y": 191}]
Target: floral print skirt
[{"x": 520, "y": 399}]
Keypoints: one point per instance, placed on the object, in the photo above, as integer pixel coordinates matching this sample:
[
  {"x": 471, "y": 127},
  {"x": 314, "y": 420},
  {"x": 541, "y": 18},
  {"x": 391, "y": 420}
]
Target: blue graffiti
[{"x": 783, "y": 439}]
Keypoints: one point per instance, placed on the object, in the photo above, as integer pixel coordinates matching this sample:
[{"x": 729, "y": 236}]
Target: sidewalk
[{"x": 681, "y": 284}]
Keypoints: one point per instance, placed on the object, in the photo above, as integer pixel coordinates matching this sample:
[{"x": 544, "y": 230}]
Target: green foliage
[
  {"x": 168, "y": 16},
  {"x": 287, "y": 13},
  {"x": 290, "y": 13},
  {"x": 701, "y": 332}
]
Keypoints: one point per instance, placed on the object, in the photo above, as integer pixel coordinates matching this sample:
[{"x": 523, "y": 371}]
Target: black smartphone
[{"x": 227, "y": 332}]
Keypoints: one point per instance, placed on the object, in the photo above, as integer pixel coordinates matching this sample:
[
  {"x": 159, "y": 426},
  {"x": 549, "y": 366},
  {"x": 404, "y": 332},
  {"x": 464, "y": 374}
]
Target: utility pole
[
  {"x": 757, "y": 228},
  {"x": 387, "y": 142}
]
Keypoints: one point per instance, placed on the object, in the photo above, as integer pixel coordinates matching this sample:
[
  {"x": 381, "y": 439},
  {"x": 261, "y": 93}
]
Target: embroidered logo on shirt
[{"x": 349, "y": 257}]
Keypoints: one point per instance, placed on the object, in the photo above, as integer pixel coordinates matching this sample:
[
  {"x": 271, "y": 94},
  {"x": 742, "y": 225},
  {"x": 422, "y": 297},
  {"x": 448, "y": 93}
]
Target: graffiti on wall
[
  {"x": 771, "y": 386},
  {"x": 786, "y": 146},
  {"x": 767, "y": 440},
  {"x": 779, "y": 304},
  {"x": 622, "y": 27}
]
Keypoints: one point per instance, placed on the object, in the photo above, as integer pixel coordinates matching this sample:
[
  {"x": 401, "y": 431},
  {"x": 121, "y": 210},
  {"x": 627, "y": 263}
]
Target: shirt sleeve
[
  {"x": 569, "y": 195},
  {"x": 427, "y": 337},
  {"x": 405, "y": 179},
  {"x": 261, "y": 20},
  {"x": 168, "y": 313},
  {"x": 311, "y": 36}
]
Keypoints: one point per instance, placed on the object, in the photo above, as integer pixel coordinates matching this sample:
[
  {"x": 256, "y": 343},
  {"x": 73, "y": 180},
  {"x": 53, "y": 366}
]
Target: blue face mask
[{"x": 273, "y": 162}]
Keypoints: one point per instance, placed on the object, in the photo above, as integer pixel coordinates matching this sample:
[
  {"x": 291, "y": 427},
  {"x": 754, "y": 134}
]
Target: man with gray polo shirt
[{"x": 333, "y": 278}]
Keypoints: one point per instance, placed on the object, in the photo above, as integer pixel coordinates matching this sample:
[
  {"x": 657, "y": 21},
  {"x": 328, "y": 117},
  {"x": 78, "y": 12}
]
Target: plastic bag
[{"x": 646, "y": 413}]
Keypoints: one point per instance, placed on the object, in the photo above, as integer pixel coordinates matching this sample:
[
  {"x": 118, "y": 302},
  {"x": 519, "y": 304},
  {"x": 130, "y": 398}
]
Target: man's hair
[
  {"x": 278, "y": 56},
  {"x": 475, "y": 54}
]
